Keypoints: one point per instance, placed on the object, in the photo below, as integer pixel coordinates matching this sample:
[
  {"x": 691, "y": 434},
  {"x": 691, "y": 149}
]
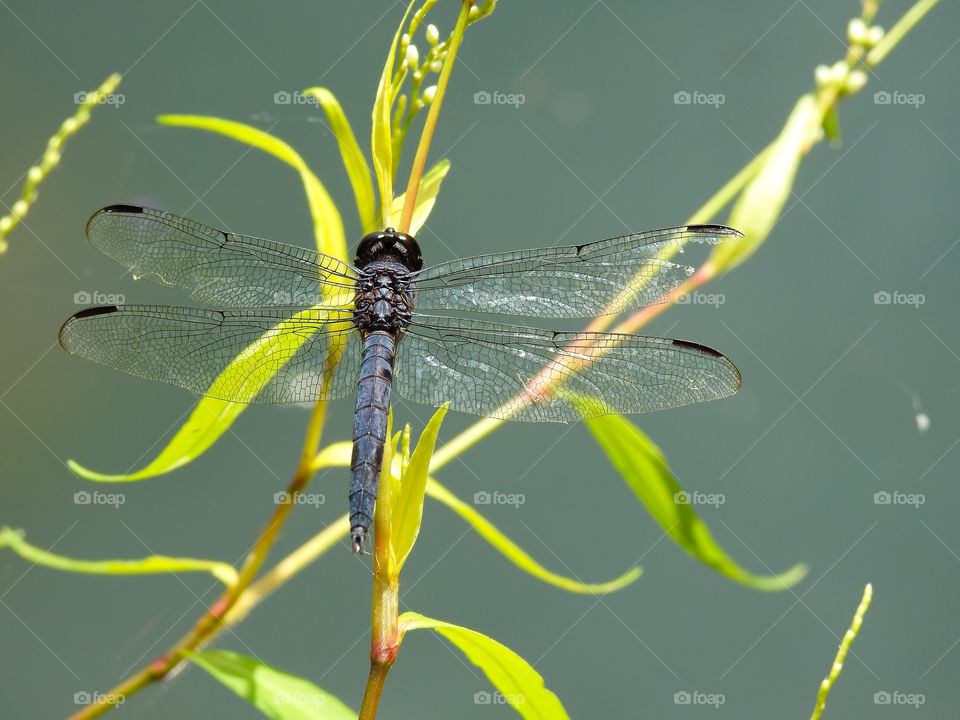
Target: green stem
[
  {"x": 897, "y": 32},
  {"x": 212, "y": 620},
  {"x": 420, "y": 159}
]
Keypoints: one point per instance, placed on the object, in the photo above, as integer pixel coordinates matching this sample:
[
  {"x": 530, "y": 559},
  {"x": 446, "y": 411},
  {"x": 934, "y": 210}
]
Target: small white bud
[
  {"x": 823, "y": 75},
  {"x": 855, "y": 81},
  {"x": 429, "y": 94},
  {"x": 474, "y": 13},
  {"x": 50, "y": 158},
  {"x": 5, "y": 224},
  {"x": 34, "y": 174},
  {"x": 839, "y": 70},
  {"x": 413, "y": 57},
  {"x": 874, "y": 35},
  {"x": 432, "y": 34},
  {"x": 436, "y": 65},
  {"x": 19, "y": 208},
  {"x": 69, "y": 125},
  {"x": 857, "y": 32}
]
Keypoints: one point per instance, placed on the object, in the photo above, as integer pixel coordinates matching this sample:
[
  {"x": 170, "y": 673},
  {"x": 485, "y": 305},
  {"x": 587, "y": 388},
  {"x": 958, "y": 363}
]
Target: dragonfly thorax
[{"x": 383, "y": 300}]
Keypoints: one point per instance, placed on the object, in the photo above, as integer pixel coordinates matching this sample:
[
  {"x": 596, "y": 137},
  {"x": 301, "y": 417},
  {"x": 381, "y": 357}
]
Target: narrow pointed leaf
[
  {"x": 408, "y": 508},
  {"x": 489, "y": 532},
  {"x": 338, "y": 455},
  {"x": 353, "y": 160},
  {"x": 327, "y": 224},
  {"x": 645, "y": 470},
  {"x": 153, "y": 565},
  {"x": 208, "y": 421},
  {"x": 276, "y": 694},
  {"x": 381, "y": 140},
  {"x": 520, "y": 685},
  {"x": 426, "y": 196},
  {"x": 211, "y": 417},
  {"x": 758, "y": 208}
]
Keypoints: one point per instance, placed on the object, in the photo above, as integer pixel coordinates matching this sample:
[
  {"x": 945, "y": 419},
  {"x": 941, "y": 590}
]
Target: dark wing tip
[
  {"x": 85, "y": 313},
  {"x": 697, "y": 347},
  {"x": 714, "y": 230},
  {"x": 128, "y": 209},
  {"x": 123, "y": 209}
]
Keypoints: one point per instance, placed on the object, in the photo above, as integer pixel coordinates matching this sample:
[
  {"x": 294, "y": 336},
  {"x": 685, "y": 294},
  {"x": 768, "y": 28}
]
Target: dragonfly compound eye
[{"x": 389, "y": 246}]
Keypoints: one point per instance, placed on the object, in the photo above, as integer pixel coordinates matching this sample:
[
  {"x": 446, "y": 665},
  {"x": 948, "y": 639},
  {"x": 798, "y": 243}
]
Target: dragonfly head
[{"x": 389, "y": 246}]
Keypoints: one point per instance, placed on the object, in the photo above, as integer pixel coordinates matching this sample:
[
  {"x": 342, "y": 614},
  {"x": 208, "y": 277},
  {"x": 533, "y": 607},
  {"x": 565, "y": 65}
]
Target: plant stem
[
  {"x": 212, "y": 620},
  {"x": 420, "y": 159},
  {"x": 371, "y": 697}
]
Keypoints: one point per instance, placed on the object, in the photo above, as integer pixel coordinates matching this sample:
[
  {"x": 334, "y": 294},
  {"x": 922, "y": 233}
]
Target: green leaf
[
  {"x": 153, "y": 565},
  {"x": 407, "y": 510},
  {"x": 426, "y": 196},
  {"x": 338, "y": 455},
  {"x": 208, "y": 421},
  {"x": 645, "y": 470},
  {"x": 489, "y": 532},
  {"x": 831, "y": 125},
  {"x": 211, "y": 417},
  {"x": 758, "y": 208},
  {"x": 275, "y": 693},
  {"x": 515, "y": 679},
  {"x": 327, "y": 224},
  {"x": 353, "y": 160},
  {"x": 381, "y": 140}
]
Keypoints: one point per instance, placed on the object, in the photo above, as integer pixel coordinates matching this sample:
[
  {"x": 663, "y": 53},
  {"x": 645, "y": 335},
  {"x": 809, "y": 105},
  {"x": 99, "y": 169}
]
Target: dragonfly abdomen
[{"x": 370, "y": 430}]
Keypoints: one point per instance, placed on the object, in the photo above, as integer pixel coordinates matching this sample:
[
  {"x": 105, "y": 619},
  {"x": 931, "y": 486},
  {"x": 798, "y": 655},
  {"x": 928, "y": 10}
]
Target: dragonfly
[{"x": 311, "y": 327}]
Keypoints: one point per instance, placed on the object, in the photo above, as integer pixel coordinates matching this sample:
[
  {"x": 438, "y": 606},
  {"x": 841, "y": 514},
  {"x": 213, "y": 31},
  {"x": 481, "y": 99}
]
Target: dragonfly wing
[
  {"x": 607, "y": 276},
  {"x": 217, "y": 267},
  {"x": 271, "y": 355},
  {"x": 490, "y": 369}
]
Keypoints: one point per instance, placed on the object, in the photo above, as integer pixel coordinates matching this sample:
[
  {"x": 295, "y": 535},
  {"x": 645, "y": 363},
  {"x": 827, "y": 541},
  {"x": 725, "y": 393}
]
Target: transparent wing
[
  {"x": 566, "y": 281},
  {"x": 218, "y": 268},
  {"x": 489, "y": 369},
  {"x": 283, "y": 352}
]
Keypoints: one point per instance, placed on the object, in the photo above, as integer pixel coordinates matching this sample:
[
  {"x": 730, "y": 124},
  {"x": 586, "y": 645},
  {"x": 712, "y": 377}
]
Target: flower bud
[
  {"x": 822, "y": 75},
  {"x": 432, "y": 34},
  {"x": 429, "y": 94},
  {"x": 413, "y": 57},
  {"x": 855, "y": 81},
  {"x": 857, "y": 32}
]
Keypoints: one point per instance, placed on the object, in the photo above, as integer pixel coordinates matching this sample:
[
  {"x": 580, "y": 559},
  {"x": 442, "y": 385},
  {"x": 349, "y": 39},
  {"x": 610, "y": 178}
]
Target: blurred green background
[{"x": 826, "y": 417}]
